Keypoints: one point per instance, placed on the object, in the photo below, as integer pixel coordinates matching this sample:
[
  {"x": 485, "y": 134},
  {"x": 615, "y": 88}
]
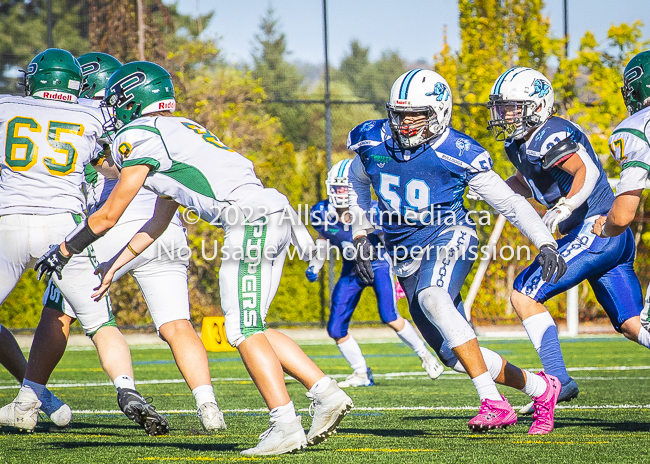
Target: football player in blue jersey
[
  {"x": 331, "y": 219},
  {"x": 419, "y": 168},
  {"x": 557, "y": 166}
]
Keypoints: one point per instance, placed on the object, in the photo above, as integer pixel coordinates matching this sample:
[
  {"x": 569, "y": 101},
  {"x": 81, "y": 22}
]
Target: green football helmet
[
  {"x": 54, "y": 74},
  {"x": 636, "y": 82},
  {"x": 97, "y": 69},
  {"x": 136, "y": 89}
]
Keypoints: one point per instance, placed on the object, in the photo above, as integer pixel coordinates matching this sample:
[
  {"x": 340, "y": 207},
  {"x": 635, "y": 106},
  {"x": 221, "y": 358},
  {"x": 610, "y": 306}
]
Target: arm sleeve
[
  {"x": 513, "y": 206},
  {"x": 591, "y": 177},
  {"x": 360, "y": 198}
]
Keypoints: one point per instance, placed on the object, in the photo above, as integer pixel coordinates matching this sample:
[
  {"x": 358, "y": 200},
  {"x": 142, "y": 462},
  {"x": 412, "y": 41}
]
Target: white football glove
[
  {"x": 472, "y": 195},
  {"x": 558, "y": 213}
]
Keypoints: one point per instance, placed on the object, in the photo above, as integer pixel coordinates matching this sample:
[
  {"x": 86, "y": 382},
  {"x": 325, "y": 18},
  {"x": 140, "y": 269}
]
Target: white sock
[
  {"x": 203, "y": 394},
  {"x": 493, "y": 361},
  {"x": 30, "y": 388},
  {"x": 535, "y": 385},
  {"x": 284, "y": 414},
  {"x": 411, "y": 339},
  {"x": 486, "y": 388},
  {"x": 643, "y": 338},
  {"x": 351, "y": 351},
  {"x": 124, "y": 381},
  {"x": 542, "y": 331},
  {"x": 321, "y": 385}
]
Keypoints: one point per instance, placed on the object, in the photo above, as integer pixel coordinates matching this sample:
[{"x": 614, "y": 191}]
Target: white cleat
[
  {"x": 211, "y": 418},
  {"x": 359, "y": 380},
  {"x": 433, "y": 367},
  {"x": 62, "y": 416},
  {"x": 58, "y": 412},
  {"x": 569, "y": 391},
  {"x": 280, "y": 438},
  {"x": 23, "y": 415},
  {"x": 329, "y": 409}
]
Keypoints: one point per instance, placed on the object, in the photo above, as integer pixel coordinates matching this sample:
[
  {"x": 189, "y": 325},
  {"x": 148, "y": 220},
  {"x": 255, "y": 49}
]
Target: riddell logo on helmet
[
  {"x": 167, "y": 105},
  {"x": 402, "y": 102},
  {"x": 60, "y": 96}
]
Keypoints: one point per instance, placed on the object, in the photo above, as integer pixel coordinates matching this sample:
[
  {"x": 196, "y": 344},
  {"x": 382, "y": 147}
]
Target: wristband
[
  {"x": 80, "y": 238},
  {"x": 135, "y": 253}
]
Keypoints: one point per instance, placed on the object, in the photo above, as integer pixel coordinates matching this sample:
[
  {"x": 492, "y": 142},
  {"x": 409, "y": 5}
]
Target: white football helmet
[
  {"x": 419, "y": 91},
  {"x": 338, "y": 184},
  {"x": 520, "y": 99}
]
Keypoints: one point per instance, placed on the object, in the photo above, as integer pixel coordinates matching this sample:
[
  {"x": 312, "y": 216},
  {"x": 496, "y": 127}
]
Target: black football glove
[
  {"x": 552, "y": 263},
  {"x": 364, "y": 258},
  {"x": 52, "y": 261}
]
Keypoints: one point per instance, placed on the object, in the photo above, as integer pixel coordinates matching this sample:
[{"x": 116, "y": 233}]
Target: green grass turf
[{"x": 366, "y": 435}]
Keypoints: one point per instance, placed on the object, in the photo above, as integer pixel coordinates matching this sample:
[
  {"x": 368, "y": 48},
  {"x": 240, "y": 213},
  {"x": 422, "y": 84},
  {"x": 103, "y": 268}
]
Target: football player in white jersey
[
  {"x": 161, "y": 272},
  {"x": 46, "y": 139},
  {"x": 185, "y": 164},
  {"x": 629, "y": 144}
]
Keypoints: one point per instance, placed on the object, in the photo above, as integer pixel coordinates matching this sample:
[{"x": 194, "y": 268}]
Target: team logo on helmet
[
  {"x": 441, "y": 92},
  {"x": 540, "y": 88},
  {"x": 125, "y": 149},
  {"x": 633, "y": 74},
  {"x": 31, "y": 69},
  {"x": 120, "y": 90},
  {"x": 90, "y": 68}
]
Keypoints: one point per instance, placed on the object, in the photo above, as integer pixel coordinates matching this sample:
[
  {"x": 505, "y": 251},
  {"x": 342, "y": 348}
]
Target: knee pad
[{"x": 441, "y": 311}]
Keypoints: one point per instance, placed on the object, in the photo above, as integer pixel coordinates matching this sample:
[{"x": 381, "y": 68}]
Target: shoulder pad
[
  {"x": 368, "y": 134},
  {"x": 559, "y": 152}
]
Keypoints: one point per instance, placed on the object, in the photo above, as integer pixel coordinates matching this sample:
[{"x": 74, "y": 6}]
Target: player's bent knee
[
  {"x": 171, "y": 329},
  {"x": 437, "y": 304}
]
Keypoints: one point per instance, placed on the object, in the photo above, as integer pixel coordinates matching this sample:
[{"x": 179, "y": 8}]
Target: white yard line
[
  {"x": 376, "y": 409},
  {"x": 447, "y": 375}
]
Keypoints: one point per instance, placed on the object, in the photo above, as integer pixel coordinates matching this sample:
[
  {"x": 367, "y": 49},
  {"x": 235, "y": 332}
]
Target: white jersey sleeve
[
  {"x": 360, "y": 198},
  {"x": 513, "y": 206},
  {"x": 44, "y": 148},
  {"x": 629, "y": 146}
]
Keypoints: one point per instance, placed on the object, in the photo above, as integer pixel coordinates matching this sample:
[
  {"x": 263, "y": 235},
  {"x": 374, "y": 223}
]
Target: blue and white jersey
[
  {"x": 325, "y": 220},
  {"x": 420, "y": 190},
  {"x": 549, "y": 186}
]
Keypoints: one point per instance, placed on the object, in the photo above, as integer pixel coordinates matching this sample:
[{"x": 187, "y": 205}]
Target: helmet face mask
[
  {"x": 422, "y": 127},
  {"x": 338, "y": 184},
  {"x": 512, "y": 118},
  {"x": 521, "y": 100},
  {"x": 420, "y": 107}
]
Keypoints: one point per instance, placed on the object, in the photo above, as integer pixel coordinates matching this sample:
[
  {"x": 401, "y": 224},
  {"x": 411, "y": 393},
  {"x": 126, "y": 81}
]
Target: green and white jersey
[
  {"x": 190, "y": 165},
  {"x": 44, "y": 147},
  {"x": 629, "y": 146}
]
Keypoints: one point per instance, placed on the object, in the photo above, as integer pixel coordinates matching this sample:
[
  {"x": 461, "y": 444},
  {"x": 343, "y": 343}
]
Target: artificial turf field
[{"x": 406, "y": 417}]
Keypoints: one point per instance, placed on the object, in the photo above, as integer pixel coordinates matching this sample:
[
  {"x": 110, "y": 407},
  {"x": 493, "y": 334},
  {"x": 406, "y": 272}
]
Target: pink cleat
[
  {"x": 545, "y": 406},
  {"x": 493, "y": 415}
]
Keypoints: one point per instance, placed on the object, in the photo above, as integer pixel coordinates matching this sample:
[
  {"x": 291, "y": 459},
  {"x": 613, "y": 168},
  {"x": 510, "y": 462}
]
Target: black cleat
[{"x": 142, "y": 412}]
